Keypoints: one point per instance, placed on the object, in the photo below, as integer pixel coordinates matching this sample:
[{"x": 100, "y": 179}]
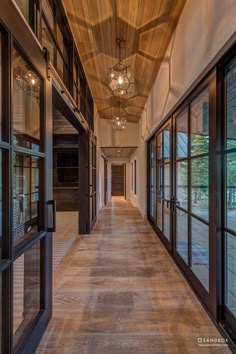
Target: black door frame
[{"x": 22, "y": 39}]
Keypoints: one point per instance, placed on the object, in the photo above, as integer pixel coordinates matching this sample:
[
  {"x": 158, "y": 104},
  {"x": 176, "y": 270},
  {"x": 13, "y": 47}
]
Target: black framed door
[
  {"x": 27, "y": 213},
  {"x": 194, "y": 200},
  {"x": 160, "y": 181},
  {"x": 182, "y": 201},
  {"x": 229, "y": 196}
]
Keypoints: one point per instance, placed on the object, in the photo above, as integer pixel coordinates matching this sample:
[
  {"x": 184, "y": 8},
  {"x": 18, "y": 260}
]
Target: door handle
[{"x": 53, "y": 204}]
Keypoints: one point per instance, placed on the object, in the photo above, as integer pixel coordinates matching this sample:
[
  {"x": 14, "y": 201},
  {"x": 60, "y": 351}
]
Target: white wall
[
  {"x": 110, "y": 137},
  {"x": 203, "y": 28}
]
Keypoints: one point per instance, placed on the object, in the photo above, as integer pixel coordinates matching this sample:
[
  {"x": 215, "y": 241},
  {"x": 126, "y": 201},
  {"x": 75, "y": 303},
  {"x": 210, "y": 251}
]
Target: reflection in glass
[
  {"x": 1, "y": 203},
  {"x": 230, "y": 283},
  {"x": 182, "y": 135},
  {"x": 199, "y": 118},
  {"x": 182, "y": 234},
  {"x": 167, "y": 151},
  {"x": 26, "y": 292},
  {"x": 26, "y": 104},
  {"x": 26, "y": 196},
  {"x": 48, "y": 13},
  {"x": 166, "y": 225},
  {"x": 200, "y": 251},
  {"x": 47, "y": 40},
  {"x": 159, "y": 213},
  {"x": 231, "y": 191},
  {"x": 152, "y": 179},
  {"x": 1, "y": 88},
  {"x": 182, "y": 184},
  {"x": 199, "y": 187},
  {"x": 230, "y": 86},
  {"x": 159, "y": 146},
  {"x": 166, "y": 211}
]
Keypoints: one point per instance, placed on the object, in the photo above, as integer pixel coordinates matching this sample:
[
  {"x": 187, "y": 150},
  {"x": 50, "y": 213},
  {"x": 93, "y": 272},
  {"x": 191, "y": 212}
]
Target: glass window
[
  {"x": 48, "y": 13},
  {"x": 231, "y": 191},
  {"x": 1, "y": 203},
  {"x": 167, "y": 151},
  {"x": 182, "y": 234},
  {"x": 26, "y": 104},
  {"x": 182, "y": 183},
  {"x": 1, "y": 87},
  {"x": 199, "y": 187},
  {"x": 26, "y": 197},
  {"x": 47, "y": 40},
  {"x": 200, "y": 251},
  {"x": 230, "y": 83},
  {"x": 182, "y": 135},
  {"x": 230, "y": 281},
  {"x": 26, "y": 292},
  {"x": 199, "y": 118}
]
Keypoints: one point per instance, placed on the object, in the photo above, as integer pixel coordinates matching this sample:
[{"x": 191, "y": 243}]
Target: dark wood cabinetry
[{"x": 66, "y": 171}]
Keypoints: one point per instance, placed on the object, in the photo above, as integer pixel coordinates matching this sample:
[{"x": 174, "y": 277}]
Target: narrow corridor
[{"x": 119, "y": 292}]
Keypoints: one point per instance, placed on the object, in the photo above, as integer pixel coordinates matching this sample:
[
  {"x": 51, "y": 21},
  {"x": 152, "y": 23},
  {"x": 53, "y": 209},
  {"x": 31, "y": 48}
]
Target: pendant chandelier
[
  {"x": 119, "y": 121},
  {"x": 120, "y": 76}
]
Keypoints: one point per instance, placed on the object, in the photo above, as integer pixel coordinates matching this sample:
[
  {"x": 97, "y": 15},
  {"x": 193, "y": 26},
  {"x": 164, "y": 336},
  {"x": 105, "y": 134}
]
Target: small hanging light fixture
[
  {"x": 120, "y": 76},
  {"x": 119, "y": 122}
]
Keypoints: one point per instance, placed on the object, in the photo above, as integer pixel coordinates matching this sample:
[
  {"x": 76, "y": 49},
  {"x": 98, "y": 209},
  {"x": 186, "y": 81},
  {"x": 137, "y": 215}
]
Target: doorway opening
[
  {"x": 118, "y": 180},
  {"x": 65, "y": 184}
]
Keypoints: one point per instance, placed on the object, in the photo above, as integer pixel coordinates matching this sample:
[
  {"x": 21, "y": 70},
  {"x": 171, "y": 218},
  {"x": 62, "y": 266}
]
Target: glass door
[
  {"x": 229, "y": 224},
  {"x": 160, "y": 177},
  {"x": 191, "y": 190},
  {"x": 25, "y": 212}
]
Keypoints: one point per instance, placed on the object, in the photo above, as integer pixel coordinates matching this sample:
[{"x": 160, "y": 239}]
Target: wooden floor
[{"x": 119, "y": 292}]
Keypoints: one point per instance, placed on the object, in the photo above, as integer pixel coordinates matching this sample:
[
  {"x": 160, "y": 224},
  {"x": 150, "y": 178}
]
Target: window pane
[
  {"x": 48, "y": 13},
  {"x": 1, "y": 203},
  {"x": 182, "y": 183},
  {"x": 199, "y": 187},
  {"x": 26, "y": 196},
  {"x": 167, "y": 181},
  {"x": 230, "y": 283},
  {"x": 60, "y": 66},
  {"x": 199, "y": 118},
  {"x": 231, "y": 191},
  {"x": 167, "y": 151},
  {"x": 26, "y": 292},
  {"x": 47, "y": 41},
  {"x": 200, "y": 251},
  {"x": 1, "y": 134},
  {"x": 182, "y": 234},
  {"x": 230, "y": 83},
  {"x": 182, "y": 135},
  {"x": 24, "y": 7},
  {"x": 26, "y": 104}
]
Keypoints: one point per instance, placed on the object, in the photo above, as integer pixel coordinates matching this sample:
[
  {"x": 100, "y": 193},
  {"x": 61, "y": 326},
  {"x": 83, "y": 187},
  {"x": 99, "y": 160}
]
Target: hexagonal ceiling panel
[{"x": 146, "y": 26}]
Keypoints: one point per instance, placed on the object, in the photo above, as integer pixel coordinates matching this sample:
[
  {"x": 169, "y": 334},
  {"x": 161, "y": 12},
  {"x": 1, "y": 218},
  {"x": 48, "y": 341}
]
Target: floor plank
[{"x": 118, "y": 291}]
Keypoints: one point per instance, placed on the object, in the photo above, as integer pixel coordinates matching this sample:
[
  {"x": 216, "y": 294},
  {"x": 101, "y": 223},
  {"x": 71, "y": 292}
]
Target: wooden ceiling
[
  {"x": 118, "y": 152},
  {"x": 147, "y": 27}
]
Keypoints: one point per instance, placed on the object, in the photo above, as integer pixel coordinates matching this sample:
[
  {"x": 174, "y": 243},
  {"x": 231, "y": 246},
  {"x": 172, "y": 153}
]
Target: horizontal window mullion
[
  {"x": 28, "y": 244},
  {"x": 28, "y": 151}
]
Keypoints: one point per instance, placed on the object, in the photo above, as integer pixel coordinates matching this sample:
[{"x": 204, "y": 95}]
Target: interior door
[{"x": 118, "y": 179}]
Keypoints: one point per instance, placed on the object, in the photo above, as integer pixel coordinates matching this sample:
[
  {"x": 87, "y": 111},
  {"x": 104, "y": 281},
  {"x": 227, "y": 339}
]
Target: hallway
[{"x": 118, "y": 291}]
